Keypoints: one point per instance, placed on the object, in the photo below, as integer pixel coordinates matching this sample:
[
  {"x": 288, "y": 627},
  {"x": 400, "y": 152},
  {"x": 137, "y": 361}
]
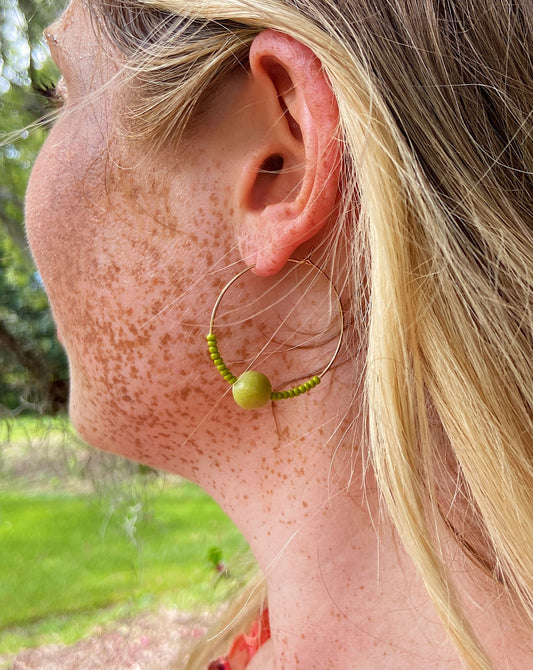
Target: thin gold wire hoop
[{"x": 253, "y": 389}]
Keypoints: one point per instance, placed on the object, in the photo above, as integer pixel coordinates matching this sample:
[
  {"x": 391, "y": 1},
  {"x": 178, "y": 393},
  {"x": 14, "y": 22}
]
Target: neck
[
  {"x": 337, "y": 582},
  {"x": 342, "y": 593}
]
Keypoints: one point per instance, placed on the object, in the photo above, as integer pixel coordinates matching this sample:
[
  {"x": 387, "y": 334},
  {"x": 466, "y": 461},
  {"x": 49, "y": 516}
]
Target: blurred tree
[{"x": 33, "y": 370}]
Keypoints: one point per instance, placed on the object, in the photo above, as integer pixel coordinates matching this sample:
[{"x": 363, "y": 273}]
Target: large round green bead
[{"x": 252, "y": 390}]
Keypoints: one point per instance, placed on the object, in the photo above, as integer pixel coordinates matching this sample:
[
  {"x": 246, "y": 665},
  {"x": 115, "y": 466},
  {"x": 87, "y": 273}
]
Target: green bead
[
  {"x": 252, "y": 390},
  {"x": 211, "y": 338}
]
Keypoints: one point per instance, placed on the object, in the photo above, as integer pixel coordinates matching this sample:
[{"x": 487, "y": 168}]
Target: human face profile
[{"x": 123, "y": 239}]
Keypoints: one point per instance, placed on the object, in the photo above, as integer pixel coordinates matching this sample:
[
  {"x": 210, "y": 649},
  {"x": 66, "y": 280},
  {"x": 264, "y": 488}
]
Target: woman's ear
[{"x": 288, "y": 184}]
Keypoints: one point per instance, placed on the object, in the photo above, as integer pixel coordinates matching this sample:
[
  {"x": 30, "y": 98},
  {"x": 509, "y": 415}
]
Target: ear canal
[
  {"x": 272, "y": 164},
  {"x": 275, "y": 182}
]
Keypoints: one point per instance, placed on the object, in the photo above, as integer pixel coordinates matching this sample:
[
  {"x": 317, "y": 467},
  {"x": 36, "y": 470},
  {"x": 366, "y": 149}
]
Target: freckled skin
[
  {"x": 134, "y": 247},
  {"x": 132, "y": 267}
]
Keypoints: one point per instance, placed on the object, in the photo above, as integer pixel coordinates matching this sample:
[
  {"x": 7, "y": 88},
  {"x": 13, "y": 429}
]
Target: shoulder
[{"x": 264, "y": 659}]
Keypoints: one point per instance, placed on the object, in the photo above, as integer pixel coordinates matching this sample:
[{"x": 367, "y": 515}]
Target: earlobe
[{"x": 289, "y": 182}]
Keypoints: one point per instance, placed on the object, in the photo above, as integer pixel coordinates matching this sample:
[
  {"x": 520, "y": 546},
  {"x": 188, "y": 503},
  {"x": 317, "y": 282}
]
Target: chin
[
  {"x": 103, "y": 427},
  {"x": 160, "y": 434},
  {"x": 93, "y": 424},
  {"x": 88, "y": 430}
]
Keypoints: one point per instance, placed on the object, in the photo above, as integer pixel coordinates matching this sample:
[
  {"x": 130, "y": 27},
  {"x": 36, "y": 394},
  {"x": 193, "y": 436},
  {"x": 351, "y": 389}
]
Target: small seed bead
[
  {"x": 218, "y": 360},
  {"x": 297, "y": 390}
]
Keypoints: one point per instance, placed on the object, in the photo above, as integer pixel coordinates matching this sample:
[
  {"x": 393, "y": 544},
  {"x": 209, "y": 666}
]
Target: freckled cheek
[
  {"x": 139, "y": 352},
  {"x": 41, "y": 215},
  {"x": 133, "y": 327},
  {"x": 130, "y": 277},
  {"x": 64, "y": 179},
  {"x": 127, "y": 372}
]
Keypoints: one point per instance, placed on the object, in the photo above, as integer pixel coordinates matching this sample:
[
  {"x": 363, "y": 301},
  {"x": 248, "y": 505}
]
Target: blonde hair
[{"x": 435, "y": 102}]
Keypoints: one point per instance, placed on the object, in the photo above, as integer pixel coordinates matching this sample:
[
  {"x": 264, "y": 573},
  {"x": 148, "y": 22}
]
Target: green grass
[
  {"x": 29, "y": 426},
  {"x": 70, "y": 561}
]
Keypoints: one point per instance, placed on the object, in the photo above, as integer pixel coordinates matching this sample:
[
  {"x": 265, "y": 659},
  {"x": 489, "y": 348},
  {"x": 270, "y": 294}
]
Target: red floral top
[{"x": 245, "y": 646}]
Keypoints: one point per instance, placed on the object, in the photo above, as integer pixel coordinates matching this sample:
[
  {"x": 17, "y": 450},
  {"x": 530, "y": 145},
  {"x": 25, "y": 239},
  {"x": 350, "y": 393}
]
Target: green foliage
[
  {"x": 32, "y": 367},
  {"x": 24, "y": 430},
  {"x": 215, "y": 555},
  {"x": 31, "y": 359}
]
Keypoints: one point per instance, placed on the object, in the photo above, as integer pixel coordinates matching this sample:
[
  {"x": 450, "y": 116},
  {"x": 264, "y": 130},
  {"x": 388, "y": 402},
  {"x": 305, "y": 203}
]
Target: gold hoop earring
[{"x": 252, "y": 389}]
